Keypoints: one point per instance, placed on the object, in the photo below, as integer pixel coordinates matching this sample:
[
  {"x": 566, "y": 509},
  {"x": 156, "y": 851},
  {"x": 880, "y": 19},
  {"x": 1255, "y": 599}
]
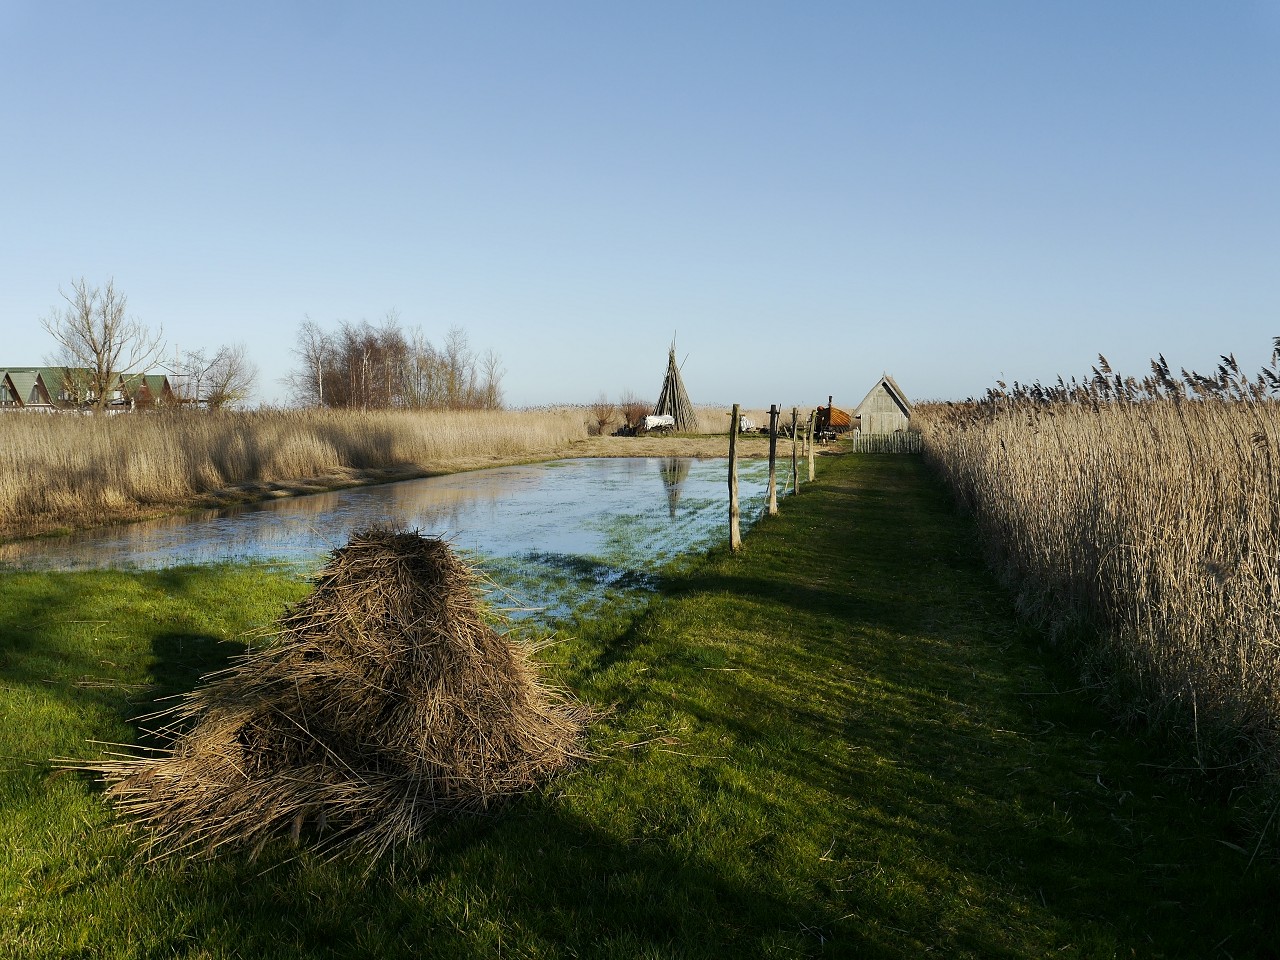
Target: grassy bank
[{"x": 836, "y": 743}]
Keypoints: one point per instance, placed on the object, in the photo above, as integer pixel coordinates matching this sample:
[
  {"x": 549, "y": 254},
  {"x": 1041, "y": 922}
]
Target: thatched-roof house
[{"x": 884, "y": 409}]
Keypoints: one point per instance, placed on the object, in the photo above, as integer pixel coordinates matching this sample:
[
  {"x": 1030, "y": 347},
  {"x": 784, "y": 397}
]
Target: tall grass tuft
[
  {"x": 70, "y": 470},
  {"x": 1141, "y": 517}
]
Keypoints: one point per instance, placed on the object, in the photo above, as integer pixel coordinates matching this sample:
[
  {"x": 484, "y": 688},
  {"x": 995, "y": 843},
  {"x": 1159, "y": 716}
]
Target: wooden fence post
[
  {"x": 772, "y": 509},
  {"x": 809, "y": 445},
  {"x": 795, "y": 468},
  {"x": 735, "y": 535}
]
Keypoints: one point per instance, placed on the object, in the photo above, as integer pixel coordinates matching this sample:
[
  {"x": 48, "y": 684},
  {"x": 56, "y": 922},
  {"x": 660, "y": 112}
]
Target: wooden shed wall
[{"x": 881, "y": 413}]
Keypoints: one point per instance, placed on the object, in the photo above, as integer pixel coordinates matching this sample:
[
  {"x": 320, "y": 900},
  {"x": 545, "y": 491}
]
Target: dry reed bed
[
  {"x": 1145, "y": 517},
  {"x": 75, "y": 471}
]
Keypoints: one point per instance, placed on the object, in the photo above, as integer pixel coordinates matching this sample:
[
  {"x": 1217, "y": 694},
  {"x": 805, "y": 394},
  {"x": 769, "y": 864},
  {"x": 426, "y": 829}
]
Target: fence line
[{"x": 902, "y": 441}]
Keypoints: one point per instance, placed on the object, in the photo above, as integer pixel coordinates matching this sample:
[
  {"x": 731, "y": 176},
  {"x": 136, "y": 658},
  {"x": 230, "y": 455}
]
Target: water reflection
[
  {"x": 609, "y": 511},
  {"x": 674, "y": 470}
]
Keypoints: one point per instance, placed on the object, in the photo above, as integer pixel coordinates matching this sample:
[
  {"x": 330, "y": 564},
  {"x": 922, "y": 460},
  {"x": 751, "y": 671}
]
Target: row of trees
[
  {"x": 97, "y": 341},
  {"x": 366, "y": 367},
  {"x": 355, "y": 366}
]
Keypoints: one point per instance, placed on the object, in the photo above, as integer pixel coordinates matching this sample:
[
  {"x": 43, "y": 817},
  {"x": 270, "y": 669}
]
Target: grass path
[{"x": 836, "y": 743}]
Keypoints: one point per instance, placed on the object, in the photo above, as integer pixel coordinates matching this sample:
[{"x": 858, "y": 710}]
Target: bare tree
[
  {"x": 491, "y": 386},
  {"x": 189, "y": 376},
  {"x": 603, "y": 411},
  {"x": 96, "y": 342},
  {"x": 232, "y": 377},
  {"x": 315, "y": 351},
  {"x": 459, "y": 369},
  {"x": 224, "y": 378},
  {"x": 634, "y": 410},
  {"x": 421, "y": 374}
]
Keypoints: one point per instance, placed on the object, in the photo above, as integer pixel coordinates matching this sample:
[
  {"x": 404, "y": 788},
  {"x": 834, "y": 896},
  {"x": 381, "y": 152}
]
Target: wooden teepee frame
[{"x": 673, "y": 401}]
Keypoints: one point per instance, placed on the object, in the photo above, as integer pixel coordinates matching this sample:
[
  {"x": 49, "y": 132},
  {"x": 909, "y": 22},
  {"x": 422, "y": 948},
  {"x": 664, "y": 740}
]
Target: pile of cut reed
[
  {"x": 1143, "y": 518},
  {"x": 384, "y": 701}
]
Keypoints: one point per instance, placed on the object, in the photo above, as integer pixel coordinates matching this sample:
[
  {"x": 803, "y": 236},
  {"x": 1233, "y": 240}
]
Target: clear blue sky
[{"x": 807, "y": 194}]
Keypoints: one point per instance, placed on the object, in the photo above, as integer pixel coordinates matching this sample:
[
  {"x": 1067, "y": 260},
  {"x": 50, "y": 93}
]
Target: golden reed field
[
  {"x": 1141, "y": 518},
  {"x": 74, "y": 471}
]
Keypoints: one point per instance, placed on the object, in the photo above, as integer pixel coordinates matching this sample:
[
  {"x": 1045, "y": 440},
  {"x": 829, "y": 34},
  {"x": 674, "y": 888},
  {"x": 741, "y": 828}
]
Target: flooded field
[{"x": 549, "y": 535}]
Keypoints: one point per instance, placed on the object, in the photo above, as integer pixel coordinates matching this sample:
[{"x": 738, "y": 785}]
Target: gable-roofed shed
[{"x": 884, "y": 409}]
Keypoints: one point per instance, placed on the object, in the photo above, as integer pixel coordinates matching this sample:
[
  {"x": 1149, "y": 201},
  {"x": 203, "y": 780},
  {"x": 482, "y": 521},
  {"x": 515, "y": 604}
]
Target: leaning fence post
[
  {"x": 773, "y": 458},
  {"x": 735, "y": 535},
  {"x": 795, "y": 468}
]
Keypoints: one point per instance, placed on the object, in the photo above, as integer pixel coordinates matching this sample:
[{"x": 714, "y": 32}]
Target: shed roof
[
  {"x": 890, "y": 386},
  {"x": 54, "y": 379},
  {"x": 157, "y": 383},
  {"x": 29, "y": 387},
  {"x": 26, "y": 385}
]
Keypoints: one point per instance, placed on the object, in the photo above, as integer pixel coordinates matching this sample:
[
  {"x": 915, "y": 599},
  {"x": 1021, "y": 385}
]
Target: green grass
[{"x": 836, "y": 743}]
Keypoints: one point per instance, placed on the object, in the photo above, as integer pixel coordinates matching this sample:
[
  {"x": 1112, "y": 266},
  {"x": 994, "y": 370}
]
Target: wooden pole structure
[
  {"x": 809, "y": 444},
  {"x": 772, "y": 509},
  {"x": 735, "y": 535},
  {"x": 795, "y": 468}
]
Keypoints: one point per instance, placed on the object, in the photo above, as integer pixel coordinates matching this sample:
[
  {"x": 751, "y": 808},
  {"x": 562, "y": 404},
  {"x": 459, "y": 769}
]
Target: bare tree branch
[{"x": 97, "y": 342}]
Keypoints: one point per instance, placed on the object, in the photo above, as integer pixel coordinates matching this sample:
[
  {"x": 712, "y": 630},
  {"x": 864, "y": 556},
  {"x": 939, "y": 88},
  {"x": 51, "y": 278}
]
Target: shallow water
[{"x": 546, "y": 530}]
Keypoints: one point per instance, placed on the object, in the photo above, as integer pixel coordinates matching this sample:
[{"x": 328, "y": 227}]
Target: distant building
[
  {"x": 884, "y": 409},
  {"x": 23, "y": 390},
  {"x": 49, "y": 389},
  {"x": 147, "y": 390}
]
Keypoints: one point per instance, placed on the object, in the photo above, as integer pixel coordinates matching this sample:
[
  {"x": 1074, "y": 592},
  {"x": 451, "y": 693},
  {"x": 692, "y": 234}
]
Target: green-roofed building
[
  {"x": 66, "y": 388},
  {"x": 60, "y": 383},
  {"x": 24, "y": 390}
]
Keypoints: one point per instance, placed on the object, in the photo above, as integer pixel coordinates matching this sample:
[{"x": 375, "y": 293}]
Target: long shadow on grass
[
  {"x": 537, "y": 881},
  {"x": 48, "y": 646}
]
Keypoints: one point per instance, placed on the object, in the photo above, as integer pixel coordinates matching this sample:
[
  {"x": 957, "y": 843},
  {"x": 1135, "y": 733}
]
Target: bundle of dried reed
[
  {"x": 384, "y": 701},
  {"x": 673, "y": 401}
]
